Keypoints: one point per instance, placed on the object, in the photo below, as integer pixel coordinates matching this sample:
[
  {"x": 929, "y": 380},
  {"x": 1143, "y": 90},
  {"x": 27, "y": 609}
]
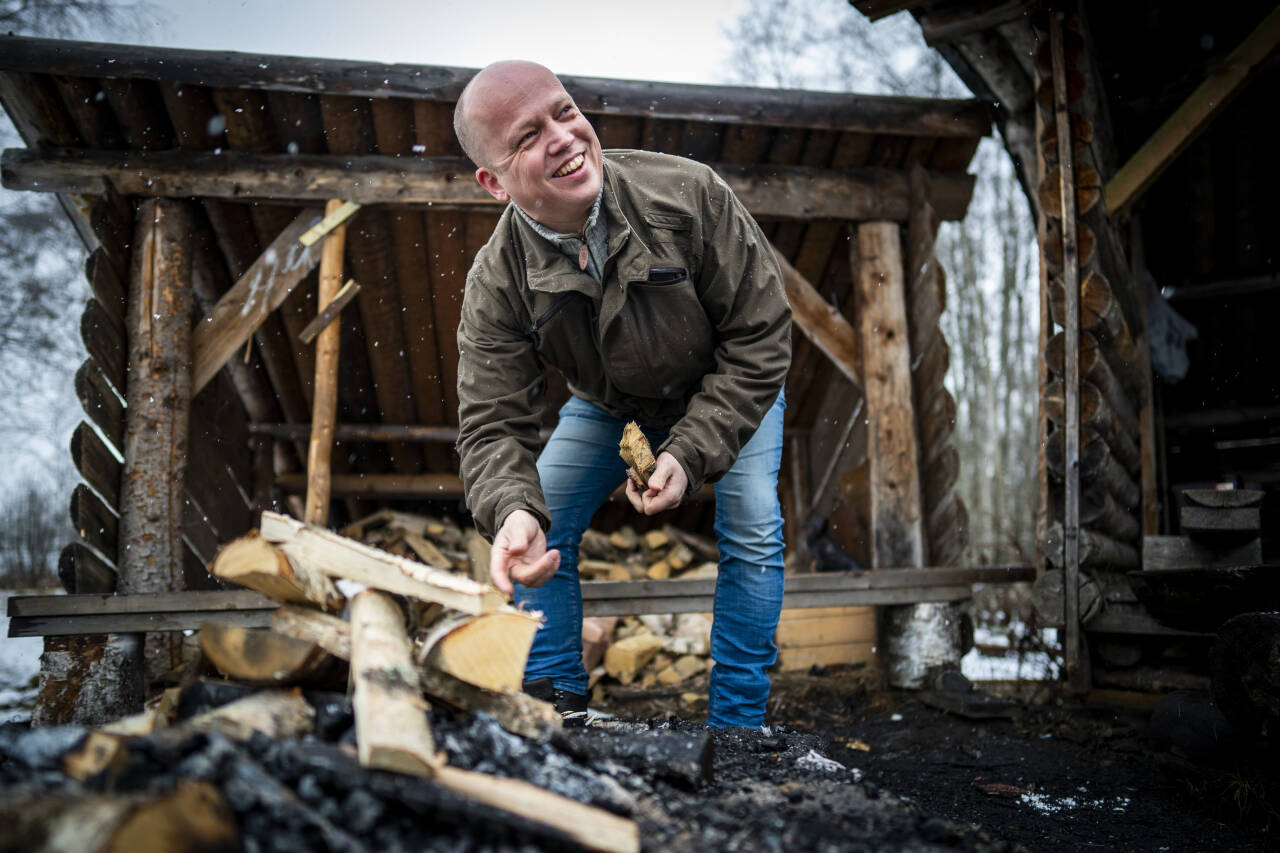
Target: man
[{"x": 643, "y": 280}]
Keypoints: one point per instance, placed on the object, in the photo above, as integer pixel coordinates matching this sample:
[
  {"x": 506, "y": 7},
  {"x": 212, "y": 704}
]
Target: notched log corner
[{"x": 635, "y": 451}]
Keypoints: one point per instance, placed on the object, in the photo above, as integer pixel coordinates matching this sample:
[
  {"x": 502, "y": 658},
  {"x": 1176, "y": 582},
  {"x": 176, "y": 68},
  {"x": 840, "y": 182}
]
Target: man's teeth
[{"x": 571, "y": 166}]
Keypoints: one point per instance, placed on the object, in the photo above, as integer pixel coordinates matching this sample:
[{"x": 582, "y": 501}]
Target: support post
[
  {"x": 918, "y": 638},
  {"x": 157, "y": 412},
  {"x": 1077, "y": 674},
  {"x": 324, "y": 410}
]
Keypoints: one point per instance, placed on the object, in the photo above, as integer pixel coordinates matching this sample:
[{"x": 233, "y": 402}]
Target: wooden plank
[
  {"x": 96, "y": 463},
  {"x": 82, "y": 570},
  {"x": 1191, "y": 118},
  {"x": 128, "y": 623},
  {"x": 262, "y": 289},
  {"x": 1198, "y": 519},
  {"x": 594, "y": 95},
  {"x": 96, "y": 523},
  {"x": 105, "y": 284},
  {"x": 892, "y": 449},
  {"x": 206, "y": 603},
  {"x": 850, "y": 626},
  {"x": 340, "y": 557},
  {"x": 820, "y": 322},
  {"x": 835, "y": 654},
  {"x": 104, "y": 341},
  {"x": 330, "y": 311},
  {"x": 960, "y": 19},
  {"x": 99, "y": 401},
  {"x": 777, "y": 192}
]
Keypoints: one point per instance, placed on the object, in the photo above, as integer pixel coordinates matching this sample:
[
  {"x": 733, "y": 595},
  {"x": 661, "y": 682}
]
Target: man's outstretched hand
[
  {"x": 667, "y": 485},
  {"x": 520, "y": 553}
]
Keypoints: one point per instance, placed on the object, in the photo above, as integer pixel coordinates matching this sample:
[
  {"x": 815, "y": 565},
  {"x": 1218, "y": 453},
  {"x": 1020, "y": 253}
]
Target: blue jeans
[{"x": 579, "y": 468}]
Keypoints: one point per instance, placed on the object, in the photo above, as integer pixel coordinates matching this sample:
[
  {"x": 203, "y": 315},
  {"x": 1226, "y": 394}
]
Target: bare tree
[
  {"x": 32, "y": 528},
  {"x": 989, "y": 257}
]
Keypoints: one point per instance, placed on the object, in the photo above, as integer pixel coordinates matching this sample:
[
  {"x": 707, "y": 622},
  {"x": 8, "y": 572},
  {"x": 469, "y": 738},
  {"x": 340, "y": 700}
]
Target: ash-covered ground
[{"x": 845, "y": 767}]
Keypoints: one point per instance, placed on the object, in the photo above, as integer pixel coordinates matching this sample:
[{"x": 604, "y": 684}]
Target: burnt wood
[
  {"x": 733, "y": 104},
  {"x": 780, "y": 192}
]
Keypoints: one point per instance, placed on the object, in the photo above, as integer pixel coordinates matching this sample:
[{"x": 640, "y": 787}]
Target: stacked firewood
[
  {"x": 1112, "y": 389},
  {"x": 644, "y": 651}
]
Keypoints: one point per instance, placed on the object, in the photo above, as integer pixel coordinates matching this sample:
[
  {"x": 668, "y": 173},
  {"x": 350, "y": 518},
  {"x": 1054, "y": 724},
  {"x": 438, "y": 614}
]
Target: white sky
[{"x": 676, "y": 40}]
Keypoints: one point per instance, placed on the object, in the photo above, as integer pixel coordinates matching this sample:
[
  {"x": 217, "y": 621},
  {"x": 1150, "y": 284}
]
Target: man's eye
[
  {"x": 526, "y": 137},
  {"x": 568, "y": 108}
]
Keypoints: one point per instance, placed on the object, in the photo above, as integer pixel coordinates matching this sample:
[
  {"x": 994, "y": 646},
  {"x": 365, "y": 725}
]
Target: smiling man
[{"x": 641, "y": 278}]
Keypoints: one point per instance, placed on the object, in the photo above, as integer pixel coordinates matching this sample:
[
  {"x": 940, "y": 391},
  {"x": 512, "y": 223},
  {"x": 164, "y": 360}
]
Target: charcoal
[
  {"x": 39, "y": 748},
  {"x": 684, "y": 759},
  {"x": 206, "y": 694},
  {"x": 361, "y": 811},
  {"x": 334, "y": 714}
]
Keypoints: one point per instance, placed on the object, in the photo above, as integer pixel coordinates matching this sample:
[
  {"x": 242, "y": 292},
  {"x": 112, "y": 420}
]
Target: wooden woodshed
[{"x": 191, "y": 177}]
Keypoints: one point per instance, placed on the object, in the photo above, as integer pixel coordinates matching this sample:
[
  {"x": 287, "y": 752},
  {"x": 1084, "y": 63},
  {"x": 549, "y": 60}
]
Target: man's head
[{"x": 530, "y": 143}]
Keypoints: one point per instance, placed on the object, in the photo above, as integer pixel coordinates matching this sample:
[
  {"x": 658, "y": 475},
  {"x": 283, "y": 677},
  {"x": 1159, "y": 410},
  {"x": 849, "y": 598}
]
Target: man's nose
[{"x": 559, "y": 137}]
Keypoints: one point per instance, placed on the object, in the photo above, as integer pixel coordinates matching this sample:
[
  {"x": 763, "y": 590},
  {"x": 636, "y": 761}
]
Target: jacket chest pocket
[
  {"x": 561, "y": 334},
  {"x": 661, "y": 344}
]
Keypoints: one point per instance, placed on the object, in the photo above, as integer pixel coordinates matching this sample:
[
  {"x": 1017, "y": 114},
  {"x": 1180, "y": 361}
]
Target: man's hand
[
  {"x": 667, "y": 485},
  {"x": 520, "y": 553}
]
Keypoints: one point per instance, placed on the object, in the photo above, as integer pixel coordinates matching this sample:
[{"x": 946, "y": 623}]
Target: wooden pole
[
  {"x": 157, "y": 411},
  {"x": 324, "y": 410},
  {"x": 892, "y": 449},
  {"x": 1076, "y": 676}
]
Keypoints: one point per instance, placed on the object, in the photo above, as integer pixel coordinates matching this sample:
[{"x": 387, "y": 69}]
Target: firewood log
[
  {"x": 253, "y": 562},
  {"x": 262, "y": 657},
  {"x": 635, "y": 451},
  {"x": 488, "y": 650},
  {"x": 391, "y": 720}
]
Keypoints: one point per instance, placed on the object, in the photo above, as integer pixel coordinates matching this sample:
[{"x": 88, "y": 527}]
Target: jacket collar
[{"x": 550, "y": 271}]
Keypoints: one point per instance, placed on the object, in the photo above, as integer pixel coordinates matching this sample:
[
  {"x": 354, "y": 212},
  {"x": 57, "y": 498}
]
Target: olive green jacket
[{"x": 690, "y": 330}]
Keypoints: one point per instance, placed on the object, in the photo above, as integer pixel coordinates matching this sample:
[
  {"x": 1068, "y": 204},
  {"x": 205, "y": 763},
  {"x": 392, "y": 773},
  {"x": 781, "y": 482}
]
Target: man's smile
[{"x": 568, "y": 168}]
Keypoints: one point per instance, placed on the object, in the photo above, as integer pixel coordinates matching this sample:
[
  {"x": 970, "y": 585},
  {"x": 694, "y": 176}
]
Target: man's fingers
[
  {"x": 634, "y": 496},
  {"x": 538, "y": 572},
  {"x": 498, "y": 572}
]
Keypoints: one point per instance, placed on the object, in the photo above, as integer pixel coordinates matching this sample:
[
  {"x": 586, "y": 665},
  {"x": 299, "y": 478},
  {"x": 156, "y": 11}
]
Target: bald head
[{"x": 498, "y": 81}]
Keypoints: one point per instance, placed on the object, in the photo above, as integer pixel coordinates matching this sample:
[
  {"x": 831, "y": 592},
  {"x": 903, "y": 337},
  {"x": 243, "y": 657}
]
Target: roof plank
[{"x": 736, "y": 104}]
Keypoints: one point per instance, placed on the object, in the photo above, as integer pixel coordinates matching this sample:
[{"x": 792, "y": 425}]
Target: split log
[
  {"x": 488, "y": 650},
  {"x": 1097, "y": 550},
  {"x": 194, "y": 817},
  {"x": 302, "y": 623},
  {"x": 1096, "y": 414},
  {"x": 253, "y": 562},
  {"x": 517, "y": 712},
  {"x": 1094, "y": 367},
  {"x": 428, "y": 552},
  {"x": 1096, "y": 463},
  {"x": 478, "y": 552},
  {"x": 99, "y": 753},
  {"x": 339, "y": 557},
  {"x": 261, "y": 657},
  {"x": 636, "y": 453},
  {"x": 1087, "y": 243},
  {"x": 275, "y": 713},
  {"x": 625, "y": 658},
  {"x": 1088, "y": 186},
  {"x": 591, "y": 827},
  {"x": 704, "y": 548},
  {"x": 391, "y": 718}
]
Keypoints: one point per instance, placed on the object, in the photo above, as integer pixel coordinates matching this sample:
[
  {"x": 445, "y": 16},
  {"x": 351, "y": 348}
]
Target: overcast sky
[{"x": 677, "y": 40}]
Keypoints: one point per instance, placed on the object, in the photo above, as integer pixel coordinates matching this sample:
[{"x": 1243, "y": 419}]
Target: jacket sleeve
[
  {"x": 501, "y": 397},
  {"x": 741, "y": 289}
]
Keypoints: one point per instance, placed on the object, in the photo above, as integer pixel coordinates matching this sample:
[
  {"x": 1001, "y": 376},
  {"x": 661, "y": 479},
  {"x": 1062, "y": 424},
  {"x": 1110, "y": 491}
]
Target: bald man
[{"x": 641, "y": 278}]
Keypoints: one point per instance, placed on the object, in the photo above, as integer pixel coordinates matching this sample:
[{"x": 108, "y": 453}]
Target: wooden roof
[{"x": 805, "y": 161}]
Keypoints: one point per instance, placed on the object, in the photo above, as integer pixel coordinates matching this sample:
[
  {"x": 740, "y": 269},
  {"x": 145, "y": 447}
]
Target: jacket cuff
[
  {"x": 689, "y": 458},
  {"x": 525, "y": 502}
]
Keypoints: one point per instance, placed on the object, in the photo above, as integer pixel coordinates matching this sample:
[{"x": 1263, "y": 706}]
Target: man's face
[{"x": 544, "y": 154}]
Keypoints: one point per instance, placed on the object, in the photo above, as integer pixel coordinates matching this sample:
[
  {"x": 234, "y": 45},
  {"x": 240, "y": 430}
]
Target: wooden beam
[
  {"x": 157, "y": 410},
  {"x": 897, "y": 536},
  {"x": 956, "y": 20},
  {"x": 1190, "y": 119},
  {"x": 59, "y": 615},
  {"x": 330, "y": 311},
  {"x": 772, "y": 191},
  {"x": 820, "y": 322},
  {"x": 594, "y": 95},
  {"x": 324, "y": 408},
  {"x": 261, "y": 290}
]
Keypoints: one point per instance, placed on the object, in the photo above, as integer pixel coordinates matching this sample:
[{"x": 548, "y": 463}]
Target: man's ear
[{"x": 491, "y": 184}]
